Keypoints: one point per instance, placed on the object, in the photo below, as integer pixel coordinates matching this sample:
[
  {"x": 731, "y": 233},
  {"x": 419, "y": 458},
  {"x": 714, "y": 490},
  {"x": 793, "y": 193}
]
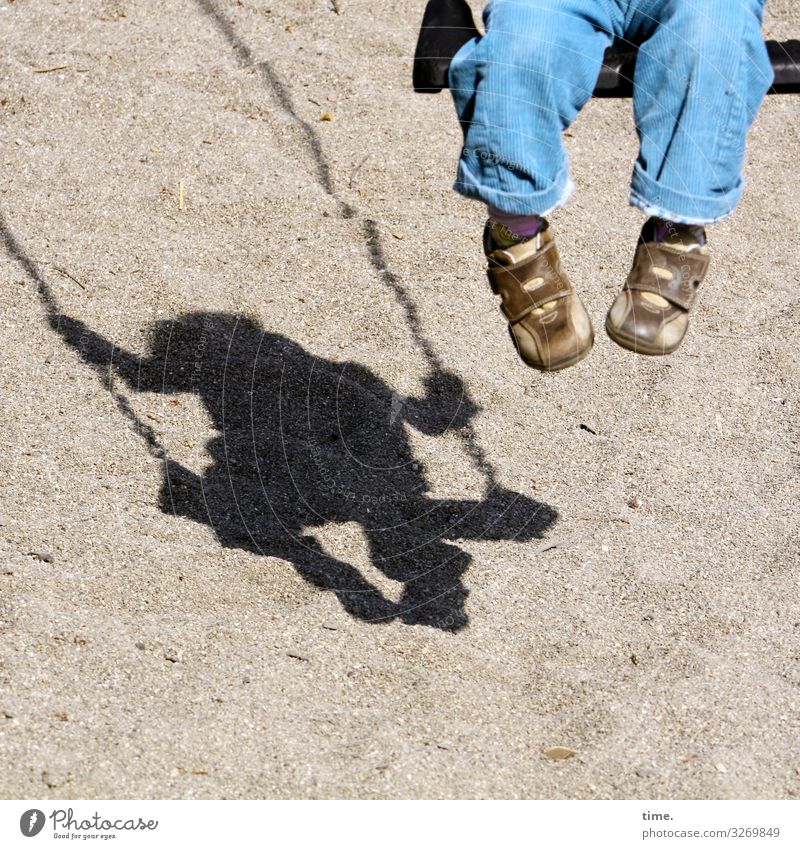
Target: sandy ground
[{"x": 628, "y": 587}]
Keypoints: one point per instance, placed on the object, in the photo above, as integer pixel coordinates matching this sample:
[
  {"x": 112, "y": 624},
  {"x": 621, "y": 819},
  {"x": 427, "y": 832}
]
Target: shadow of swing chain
[{"x": 368, "y": 226}]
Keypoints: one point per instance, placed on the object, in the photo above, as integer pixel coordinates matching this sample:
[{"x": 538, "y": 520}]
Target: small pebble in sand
[
  {"x": 44, "y": 556},
  {"x": 297, "y": 656},
  {"x": 559, "y": 753}
]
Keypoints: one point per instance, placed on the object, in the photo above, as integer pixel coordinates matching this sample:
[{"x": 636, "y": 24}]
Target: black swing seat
[{"x": 448, "y": 24}]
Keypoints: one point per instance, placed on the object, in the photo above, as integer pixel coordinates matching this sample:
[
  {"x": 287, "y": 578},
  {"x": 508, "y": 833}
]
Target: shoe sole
[
  {"x": 635, "y": 345},
  {"x": 562, "y": 364}
]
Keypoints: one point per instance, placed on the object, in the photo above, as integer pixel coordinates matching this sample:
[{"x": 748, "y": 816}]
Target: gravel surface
[{"x": 588, "y": 588}]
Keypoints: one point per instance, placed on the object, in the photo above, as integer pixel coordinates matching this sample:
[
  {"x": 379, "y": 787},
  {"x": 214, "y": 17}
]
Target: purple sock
[
  {"x": 523, "y": 226},
  {"x": 661, "y": 230}
]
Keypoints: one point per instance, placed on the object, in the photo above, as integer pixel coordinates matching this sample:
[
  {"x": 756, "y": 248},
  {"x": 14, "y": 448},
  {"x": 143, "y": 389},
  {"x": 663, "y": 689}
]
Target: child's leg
[
  {"x": 517, "y": 88},
  {"x": 701, "y": 75}
]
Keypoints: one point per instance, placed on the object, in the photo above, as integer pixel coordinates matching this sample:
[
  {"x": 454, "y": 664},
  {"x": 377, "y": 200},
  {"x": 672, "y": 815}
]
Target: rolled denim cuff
[
  {"x": 524, "y": 201},
  {"x": 682, "y": 208}
]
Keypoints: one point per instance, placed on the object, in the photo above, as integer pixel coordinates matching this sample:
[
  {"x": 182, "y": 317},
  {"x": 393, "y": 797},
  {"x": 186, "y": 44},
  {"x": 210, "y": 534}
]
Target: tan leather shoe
[
  {"x": 651, "y": 313},
  {"x": 547, "y": 321}
]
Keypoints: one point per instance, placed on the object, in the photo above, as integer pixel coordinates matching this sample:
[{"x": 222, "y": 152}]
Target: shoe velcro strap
[
  {"x": 528, "y": 284},
  {"x": 686, "y": 269}
]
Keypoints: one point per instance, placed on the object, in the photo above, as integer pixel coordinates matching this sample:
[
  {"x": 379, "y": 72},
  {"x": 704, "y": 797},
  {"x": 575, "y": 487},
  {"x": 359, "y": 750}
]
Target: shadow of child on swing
[{"x": 303, "y": 441}]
